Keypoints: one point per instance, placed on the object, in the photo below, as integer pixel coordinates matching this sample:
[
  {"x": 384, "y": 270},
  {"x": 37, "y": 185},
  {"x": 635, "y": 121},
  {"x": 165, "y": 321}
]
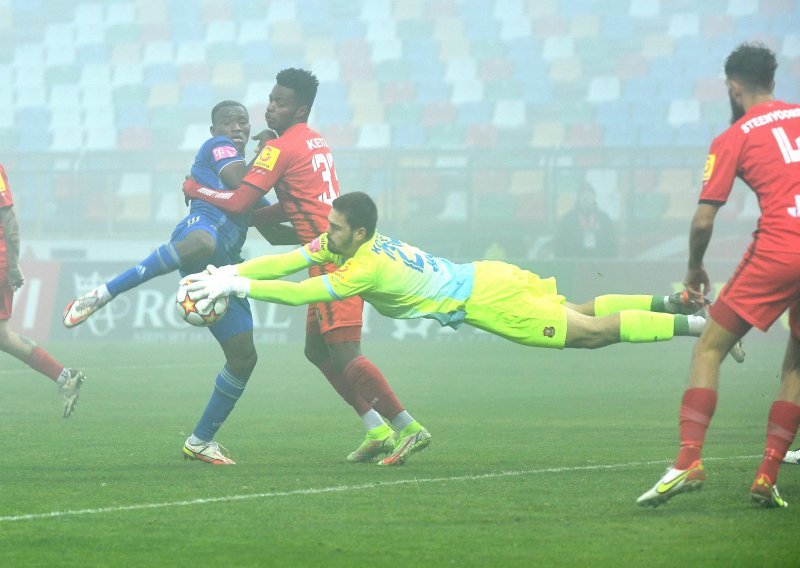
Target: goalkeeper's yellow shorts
[{"x": 517, "y": 305}]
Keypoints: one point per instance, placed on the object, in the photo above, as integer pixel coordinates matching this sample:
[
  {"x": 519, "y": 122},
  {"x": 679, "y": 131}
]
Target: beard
[
  {"x": 334, "y": 248},
  {"x": 737, "y": 111}
]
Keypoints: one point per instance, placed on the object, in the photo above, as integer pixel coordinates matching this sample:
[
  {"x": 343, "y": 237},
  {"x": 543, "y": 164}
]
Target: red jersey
[
  {"x": 5, "y": 201},
  {"x": 763, "y": 149},
  {"x": 299, "y": 165}
]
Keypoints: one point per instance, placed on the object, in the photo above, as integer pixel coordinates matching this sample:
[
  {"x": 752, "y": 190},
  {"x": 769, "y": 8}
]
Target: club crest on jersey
[
  {"x": 267, "y": 158},
  {"x": 2, "y": 184},
  {"x": 549, "y": 331},
  {"x": 709, "y": 169}
]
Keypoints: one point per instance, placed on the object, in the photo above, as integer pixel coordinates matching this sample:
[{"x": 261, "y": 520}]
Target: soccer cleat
[
  {"x": 792, "y": 457},
  {"x": 209, "y": 452},
  {"x": 79, "y": 309},
  {"x": 685, "y": 305},
  {"x": 674, "y": 482},
  {"x": 370, "y": 448},
  {"x": 766, "y": 494},
  {"x": 70, "y": 391},
  {"x": 406, "y": 446},
  {"x": 737, "y": 352}
]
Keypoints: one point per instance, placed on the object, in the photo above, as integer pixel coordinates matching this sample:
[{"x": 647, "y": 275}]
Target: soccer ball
[{"x": 201, "y": 313}]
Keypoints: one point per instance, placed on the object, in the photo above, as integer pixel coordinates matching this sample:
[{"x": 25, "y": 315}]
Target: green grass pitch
[{"x": 537, "y": 459}]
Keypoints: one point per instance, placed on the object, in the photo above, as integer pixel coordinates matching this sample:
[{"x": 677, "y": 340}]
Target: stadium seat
[
  {"x": 134, "y": 197},
  {"x": 408, "y": 135},
  {"x": 683, "y": 111},
  {"x": 548, "y": 134},
  {"x": 603, "y": 89},
  {"x": 509, "y": 113},
  {"x": 374, "y": 135},
  {"x": 585, "y": 135},
  {"x": 481, "y": 135}
]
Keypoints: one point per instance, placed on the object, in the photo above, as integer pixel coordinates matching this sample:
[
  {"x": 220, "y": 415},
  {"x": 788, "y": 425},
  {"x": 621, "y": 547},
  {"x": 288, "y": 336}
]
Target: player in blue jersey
[{"x": 206, "y": 235}]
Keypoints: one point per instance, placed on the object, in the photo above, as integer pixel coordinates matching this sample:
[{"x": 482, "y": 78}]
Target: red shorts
[
  {"x": 764, "y": 285},
  {"x": 6, "y": 295},
  {"x": 326, "y": 317}
]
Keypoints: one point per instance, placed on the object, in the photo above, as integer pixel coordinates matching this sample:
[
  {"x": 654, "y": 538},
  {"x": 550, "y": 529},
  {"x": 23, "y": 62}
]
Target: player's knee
[
  {"x": 243, "y": 364},
  {"x": 315, "y": 354}
]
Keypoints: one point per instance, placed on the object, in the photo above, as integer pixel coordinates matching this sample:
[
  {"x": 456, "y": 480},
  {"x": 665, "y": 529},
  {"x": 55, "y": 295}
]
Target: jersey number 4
[
  {"x": 323, "y": 163},
  {"x": 789, "y": 149}
]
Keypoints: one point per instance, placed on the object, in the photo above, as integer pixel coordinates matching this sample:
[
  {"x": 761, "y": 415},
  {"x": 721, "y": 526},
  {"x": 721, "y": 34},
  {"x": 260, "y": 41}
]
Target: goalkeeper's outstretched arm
[
  {"x": 274, "y": 266},
  {"x": 292, "y": 293}
]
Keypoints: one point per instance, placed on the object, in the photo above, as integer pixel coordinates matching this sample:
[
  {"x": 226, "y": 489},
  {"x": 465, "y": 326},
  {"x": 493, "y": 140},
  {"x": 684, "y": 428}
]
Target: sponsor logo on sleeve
[
  {"x": 223, "y": 152},
  {"x": 709, "y": 169},
  {"x": 267, "y": 158},
  {"x": 315, "y": 245}
]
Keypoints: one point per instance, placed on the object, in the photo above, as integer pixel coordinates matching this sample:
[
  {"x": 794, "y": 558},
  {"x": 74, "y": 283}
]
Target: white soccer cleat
[
  {"x": 79, "y": 309},
  {"x": 70, "y": 391},
  {"x": 674, "y": 482},
  {"x": 792, "y": 457},
  {"x": 737, "y": 352},
  {"x": 209, "y": 452}
]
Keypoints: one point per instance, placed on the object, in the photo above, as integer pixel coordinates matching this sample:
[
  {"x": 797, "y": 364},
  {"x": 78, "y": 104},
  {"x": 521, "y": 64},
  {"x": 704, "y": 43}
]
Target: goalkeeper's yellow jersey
[{"x": 399, "y": 280}]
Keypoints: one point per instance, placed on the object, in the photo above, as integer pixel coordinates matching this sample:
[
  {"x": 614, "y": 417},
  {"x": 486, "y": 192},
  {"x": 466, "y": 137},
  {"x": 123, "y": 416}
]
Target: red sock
[
  {"x": 373, "y": 386},
  {"x": 41, "y": 361},
  {"x": 784, "y": 418},
  {"x": 345, "y": 387},
  {"x": 697, "y": 408}
]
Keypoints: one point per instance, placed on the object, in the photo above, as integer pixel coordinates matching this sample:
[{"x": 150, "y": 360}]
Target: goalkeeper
[{"x": 403, "y": 282}]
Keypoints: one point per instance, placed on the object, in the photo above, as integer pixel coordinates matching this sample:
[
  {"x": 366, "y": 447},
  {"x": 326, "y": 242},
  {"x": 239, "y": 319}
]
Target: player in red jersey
[
  {"x": 299, "y": 166},
  {"x": 762, "y": 147},
  {"x": 69, "y": 381}
]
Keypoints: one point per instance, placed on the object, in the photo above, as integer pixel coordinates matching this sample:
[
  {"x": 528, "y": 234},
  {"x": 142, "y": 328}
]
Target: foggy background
[{"x": 473, "y": 124}]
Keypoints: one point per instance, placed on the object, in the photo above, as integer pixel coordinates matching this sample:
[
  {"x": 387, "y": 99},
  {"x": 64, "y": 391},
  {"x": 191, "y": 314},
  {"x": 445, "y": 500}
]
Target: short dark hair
[
  {"x": 223, "y": 104},
  {"x": 359, "y": 210},
  {"x": 752, "y": 64},
  {"x": 303, "y": 83}
]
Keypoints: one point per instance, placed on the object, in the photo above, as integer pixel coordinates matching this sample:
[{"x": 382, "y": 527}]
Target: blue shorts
[{"x": 229, "y": 238}]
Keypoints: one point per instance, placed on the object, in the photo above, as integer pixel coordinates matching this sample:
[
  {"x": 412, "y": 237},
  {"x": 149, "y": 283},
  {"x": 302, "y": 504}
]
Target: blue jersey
[
  {"x": 211, "y": 158},
  {"x": 229, "y": 230}
]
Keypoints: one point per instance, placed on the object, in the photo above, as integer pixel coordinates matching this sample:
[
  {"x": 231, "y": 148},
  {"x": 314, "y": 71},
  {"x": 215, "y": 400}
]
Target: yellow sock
[
  {"x": 615, "y": 303},
  {"x": 636, "y": 326}
]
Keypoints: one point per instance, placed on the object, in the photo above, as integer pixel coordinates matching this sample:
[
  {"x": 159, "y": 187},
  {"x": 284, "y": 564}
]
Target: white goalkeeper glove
[{"x": 215, "y": 282}]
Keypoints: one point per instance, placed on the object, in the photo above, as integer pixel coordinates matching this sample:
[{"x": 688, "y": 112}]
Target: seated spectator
[{"x": 585, "y": 230}]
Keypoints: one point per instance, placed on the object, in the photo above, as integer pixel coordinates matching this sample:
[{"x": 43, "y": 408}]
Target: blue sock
[
  {"x": 163, "y": 260},
  {"x": 227, "y": 390}
]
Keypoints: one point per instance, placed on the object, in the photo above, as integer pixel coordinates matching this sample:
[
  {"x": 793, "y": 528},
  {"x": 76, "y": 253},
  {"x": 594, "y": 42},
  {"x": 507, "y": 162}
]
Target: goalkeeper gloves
[{"x": 215, "y": 282}]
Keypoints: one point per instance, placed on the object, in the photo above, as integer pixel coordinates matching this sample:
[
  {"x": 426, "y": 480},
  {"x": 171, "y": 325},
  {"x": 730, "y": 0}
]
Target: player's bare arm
[{"x": 696, "y": 281}]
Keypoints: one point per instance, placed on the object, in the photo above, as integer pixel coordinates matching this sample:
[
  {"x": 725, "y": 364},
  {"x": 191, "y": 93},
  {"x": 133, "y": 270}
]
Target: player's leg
[
  {"x": 380, "y": 438},
  {"x": 235, "y": 335},
  {"x": 190, "y": 245},
  {"x": 677, "y": 303},
  {"x": 345, "y": 349},
  {"x": 629, "y": 326},
  {"x": 69, "y": 381},
  {"x": 697, "y": 408},
  {"x": 782, "y": 425}
]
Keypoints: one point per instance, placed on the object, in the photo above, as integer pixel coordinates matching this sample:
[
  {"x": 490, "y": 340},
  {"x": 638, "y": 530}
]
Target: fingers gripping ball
[{"x": 200, "y": 312}]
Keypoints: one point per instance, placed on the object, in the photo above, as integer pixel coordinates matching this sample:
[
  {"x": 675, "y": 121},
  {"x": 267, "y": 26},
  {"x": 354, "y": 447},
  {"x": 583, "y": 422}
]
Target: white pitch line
[
  {"x": 22, "y": 370},
  {"x": 335, "y": 489}
]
